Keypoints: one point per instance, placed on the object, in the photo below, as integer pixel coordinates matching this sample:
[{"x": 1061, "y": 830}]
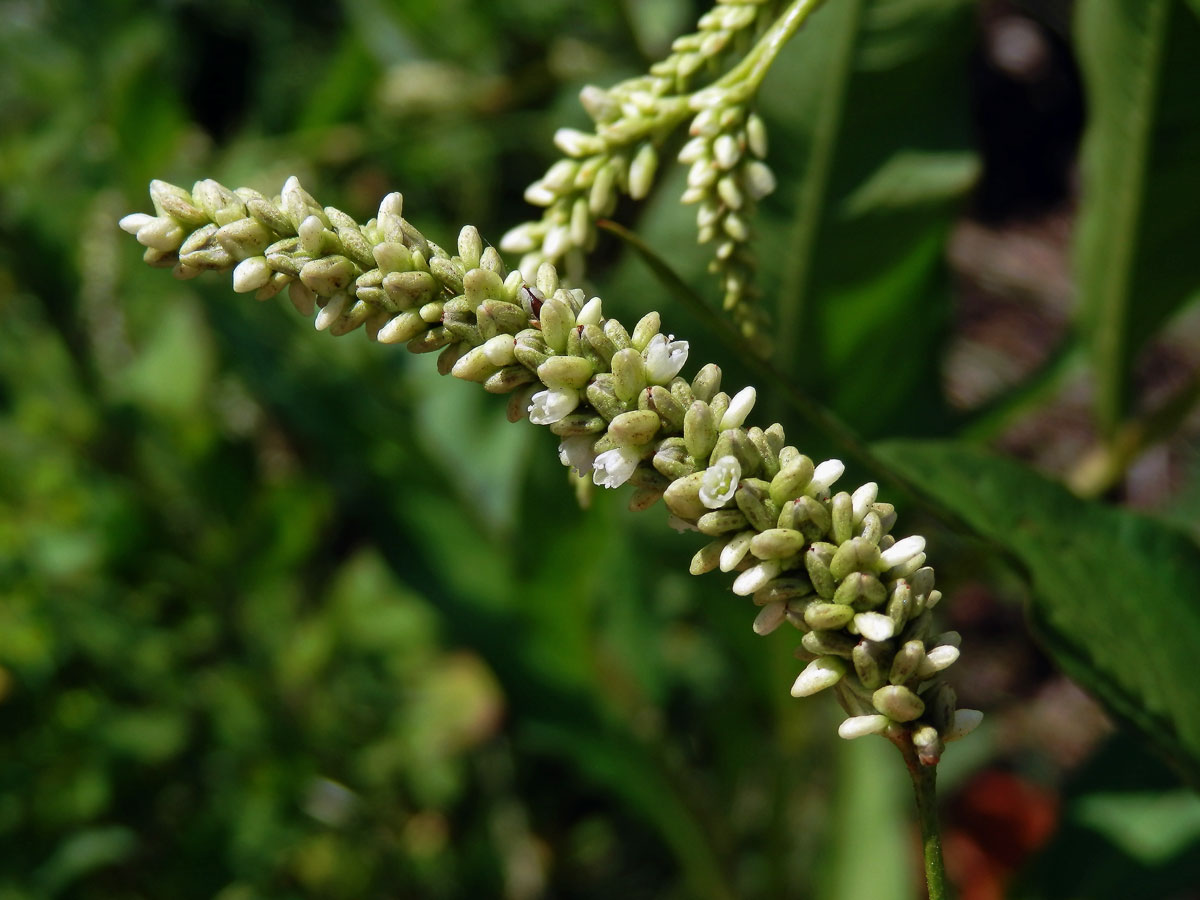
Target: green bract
[{"x": 824, "y": 562}]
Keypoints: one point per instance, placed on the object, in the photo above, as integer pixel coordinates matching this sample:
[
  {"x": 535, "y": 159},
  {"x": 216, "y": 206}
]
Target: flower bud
[
  {"x": 777, "y": 543},
  {"x": 769, "y": 618},
  {"x": 907, "y": 662},
  {"x": 683, "y": 497},
  {"x": 860, "y": 726},
  {"x": 721, "y": 521},
  {"x": 636, "y": 427},
  {"x": 871, "y": 662},
  {"x": 792, "y": 479},
  {"x": 819, "y": 674},
  {"x": 874, "y": 626},
  {"x": 565, "y": 372},
  {"x": 963, "y": 723},
  {"x": 756, "y": 577},
  {"x": 898, "y": 703},
  {"x": 816, "y": 561},
  {"x": 641, "y": 171},
  {"x": 251, "y": 274},
  {"x": 827, "y": 616},
  {"x": 856, "y": 555},
  {"x": 829, "y": 643}
]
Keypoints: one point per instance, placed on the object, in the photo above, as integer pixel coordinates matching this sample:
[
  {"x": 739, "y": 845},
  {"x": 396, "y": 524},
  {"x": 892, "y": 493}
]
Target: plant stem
[
  {"x": 924, "y": 779},
  {"x": 747, "y": 75}
]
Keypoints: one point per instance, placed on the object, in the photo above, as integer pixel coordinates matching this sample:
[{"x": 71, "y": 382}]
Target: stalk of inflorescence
[{"x": 820, "y": 561}]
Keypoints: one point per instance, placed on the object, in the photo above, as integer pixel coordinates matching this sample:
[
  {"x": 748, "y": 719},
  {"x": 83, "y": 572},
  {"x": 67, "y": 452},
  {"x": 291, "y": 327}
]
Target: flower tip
[
  {"x": 860, "y": 726},
  {"x": 965, "y": 721}
]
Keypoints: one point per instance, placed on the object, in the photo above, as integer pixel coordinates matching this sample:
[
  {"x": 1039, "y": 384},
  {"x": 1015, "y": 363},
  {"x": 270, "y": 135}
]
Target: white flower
[
  {"x": 874, "y": 626},
  {"x": 739, "y": 408},
  {"x": 720, "y": 482},
  {"x": 578, "y": 452},
  {"x": 664, "y": 358},
  {"x": 547, "y": 407},
  {"x": 612, "y": 468}
]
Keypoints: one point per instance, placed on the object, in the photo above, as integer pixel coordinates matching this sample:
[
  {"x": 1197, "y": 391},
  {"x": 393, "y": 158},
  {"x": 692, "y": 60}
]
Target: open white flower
[
  {"x": 612, "y": 468},
  {"x": 547, "y": 407},
  {"x": 664, "y": 358},
  {"x": 578, "y": 452},
  {"x": 720, "y": 482}
]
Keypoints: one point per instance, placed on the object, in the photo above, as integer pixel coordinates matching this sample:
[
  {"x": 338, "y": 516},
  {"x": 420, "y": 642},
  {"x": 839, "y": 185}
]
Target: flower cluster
[
  {"x": 825, "y": 563},
  {"x": 632, "y": 120}
]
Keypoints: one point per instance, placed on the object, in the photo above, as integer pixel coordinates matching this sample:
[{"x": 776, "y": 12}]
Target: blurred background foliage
[{"x": 282, "y": 616}]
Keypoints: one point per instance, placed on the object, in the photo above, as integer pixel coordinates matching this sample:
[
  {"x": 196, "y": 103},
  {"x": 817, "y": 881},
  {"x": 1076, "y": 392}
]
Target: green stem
[
  {"x": 924, "y": 779},
  {"x": 744, "y": 78}
]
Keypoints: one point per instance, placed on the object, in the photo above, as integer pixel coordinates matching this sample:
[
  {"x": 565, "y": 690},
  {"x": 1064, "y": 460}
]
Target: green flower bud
[
  {"x": 647, "y": 327},
  {"x": 770, "y": 460},
  {"x": 597, "y": 340},
  {"x": 602, "y": 395},
  {"x": 629, "y": 374},
  {"x": 753, "y": 499},
  {"x": 403, "y": 327},
  {"x": 641, "y": 171},
  {"x": 565, "y": 372},
  {"x": 448, "y": 273},
  {"x": 791, "y": 480},
  {"x": 558, "y": 321},
  {"x": 769, "y": 618},
  {"x": 785, "y": 589},
  {"x": 429, "y": 341},
  {"x": 816, "y": 561},
  {"x": 269, "y": 216},
  {"x": 392, "y": 256},
  {"x": 829, "y": 643},
  {"x": 871, "y": 662},
  {"x": 480, "y": 285},
  {"x": 827, "y": 616},
  {"x": 707, "y": 384},
  {"x": 898, "y": 703},
  {"x": 251, "y": 274},
  {"x": 856, "y": 555},
  {"x": 635, "y": 427},
  {"x": 777, "y": 543},
  {"x": 700, "y": 431},
  {"x": 707, "y": 557},
  {"x": 928, "y": 745},
  {"x": 577, "y": 424},
  {"x": 409, "y": 289},
  {"x": 303, "y": 299},
  {"x": 721, "y": 521},
  {"x": 175, "y": 202},
  {"x": 907, "y": 662},
  {"x": 683, "y": 497},
  {"x": 660, "y": 401},
  {"x": 475, "y": 366},
  {"x": 671, "y": 459},
  {"x": 329, "y": 275},
  {"x": 810, "y": 517},
  {"x": 862, "y": 591},
  {"x": 842, "y": 509}
]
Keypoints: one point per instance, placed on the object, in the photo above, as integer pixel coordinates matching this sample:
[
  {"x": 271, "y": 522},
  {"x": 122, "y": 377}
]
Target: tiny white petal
[
  {"x": 902, "y": 551},
  {"x": 739, "y": 408},
  {"x": 549, "y": 406},
  {"x": 735, "y": 551},
  {"x": 133, "y": 222},
  {"x": 591, "y": 314},
  {"x": 875, "y": 626},
  {"x": 860, "y": 726},
  {"x": 720, "y": 482},
  {"x": 965, "y": 721},
  {"x": 757, "y": 576},
  {"x": 578, "y": 452},
  {"x": 819, "y": 674},
  {"x": 862, "y": 499},
  {"x": 612, "y": 468},
  {"x": 664, "y": 358}
]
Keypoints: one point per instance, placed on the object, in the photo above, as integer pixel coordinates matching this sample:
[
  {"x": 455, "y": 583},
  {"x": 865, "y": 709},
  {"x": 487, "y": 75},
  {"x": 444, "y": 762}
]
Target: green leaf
[
  {"x": 1135, "y": 254},
  {"x": 869, "y": 113},
  {"x": 1114, "y": 592}
]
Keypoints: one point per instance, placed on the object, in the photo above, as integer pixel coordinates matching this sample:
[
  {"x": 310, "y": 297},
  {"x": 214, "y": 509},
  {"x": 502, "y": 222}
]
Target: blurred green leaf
[
  {"x": 1114, "y": 592},
  {"x": 1135, "y": 251},
  {"x": 873, "y": 117}
]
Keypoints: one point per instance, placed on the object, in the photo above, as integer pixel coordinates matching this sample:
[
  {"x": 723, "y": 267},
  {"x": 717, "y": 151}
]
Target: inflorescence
[{"x": 825, "y": 563}]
